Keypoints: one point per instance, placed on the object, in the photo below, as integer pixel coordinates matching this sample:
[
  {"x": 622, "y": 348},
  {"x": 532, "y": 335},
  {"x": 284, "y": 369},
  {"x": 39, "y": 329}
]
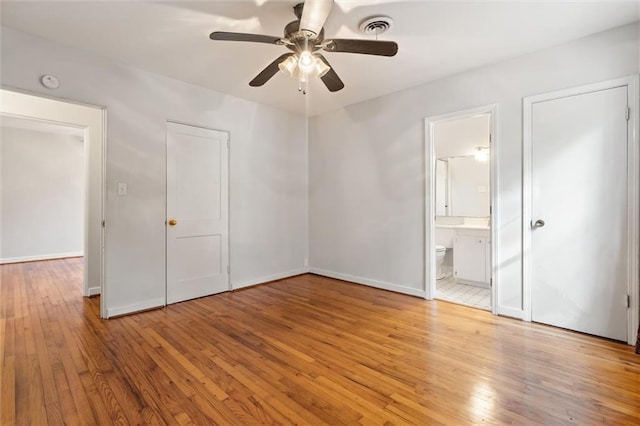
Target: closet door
[
  {"x": 197, "y": 212},
  {"x": 579, "y": 200}
]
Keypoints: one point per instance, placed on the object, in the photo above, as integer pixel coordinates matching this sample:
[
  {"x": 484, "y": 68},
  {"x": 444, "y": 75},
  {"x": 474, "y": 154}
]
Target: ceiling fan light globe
[
  {"x": 288, "y": 66},
  {"x": 306, "y": 62},
  {"x": 321, "y": 69},
  {"x": 481, "y": 153}
]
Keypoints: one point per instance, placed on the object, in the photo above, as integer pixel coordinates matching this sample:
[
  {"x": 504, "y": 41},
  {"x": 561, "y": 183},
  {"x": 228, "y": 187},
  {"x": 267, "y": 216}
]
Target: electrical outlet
[
  {"x": 306, "y": 261},
  {"x": 122, "y": 188}
]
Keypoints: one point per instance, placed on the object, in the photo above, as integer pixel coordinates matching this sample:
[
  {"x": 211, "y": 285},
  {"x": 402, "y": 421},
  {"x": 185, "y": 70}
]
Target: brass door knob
[{"x": 173, "y": 222}]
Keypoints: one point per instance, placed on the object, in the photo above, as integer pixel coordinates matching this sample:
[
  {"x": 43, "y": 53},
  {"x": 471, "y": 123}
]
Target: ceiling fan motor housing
[{"x": 294, "y": 35}]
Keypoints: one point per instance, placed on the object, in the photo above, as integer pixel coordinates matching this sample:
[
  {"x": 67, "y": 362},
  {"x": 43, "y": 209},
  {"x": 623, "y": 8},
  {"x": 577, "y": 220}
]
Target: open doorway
[
  {"x": 42, "y": 183},
  {"x": 460, "y": 197},
  {"x": 27, "y": 115}
]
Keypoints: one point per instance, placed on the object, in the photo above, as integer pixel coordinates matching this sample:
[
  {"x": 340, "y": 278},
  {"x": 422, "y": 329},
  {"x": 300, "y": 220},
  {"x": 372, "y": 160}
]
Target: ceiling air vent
[{"x": 375, "y": 25}]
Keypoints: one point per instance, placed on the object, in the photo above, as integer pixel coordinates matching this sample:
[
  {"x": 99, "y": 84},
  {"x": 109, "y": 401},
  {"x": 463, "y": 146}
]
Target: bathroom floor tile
[{"x": 468, "y": 295}]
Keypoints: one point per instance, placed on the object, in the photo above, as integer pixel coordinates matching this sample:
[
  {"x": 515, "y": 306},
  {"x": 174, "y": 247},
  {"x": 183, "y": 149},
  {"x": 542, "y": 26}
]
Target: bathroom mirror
[{"x": 462, "y": 187}]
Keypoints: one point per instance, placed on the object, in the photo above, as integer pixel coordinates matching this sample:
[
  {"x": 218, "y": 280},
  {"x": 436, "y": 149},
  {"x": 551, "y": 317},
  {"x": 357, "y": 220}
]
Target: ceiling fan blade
[
  {"x": 258, "y": 38},
  {"x": 271, "y": 70},
  {"x": 330, "y": 79},
  {"x": 314, "y": 15},
  {"x": 366, "y": 47}
]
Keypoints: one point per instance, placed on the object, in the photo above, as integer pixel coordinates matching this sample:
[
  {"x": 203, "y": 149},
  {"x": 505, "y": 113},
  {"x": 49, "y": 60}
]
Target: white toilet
[{"x": 440, "y": 252}]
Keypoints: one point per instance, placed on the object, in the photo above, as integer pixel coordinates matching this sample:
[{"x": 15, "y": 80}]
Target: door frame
[
  {"x": 228, "y": 200},
  {"x": 429, "y": 221},
  {"x": 92, "y": 118},
  {"x": 633, "y": 177}
]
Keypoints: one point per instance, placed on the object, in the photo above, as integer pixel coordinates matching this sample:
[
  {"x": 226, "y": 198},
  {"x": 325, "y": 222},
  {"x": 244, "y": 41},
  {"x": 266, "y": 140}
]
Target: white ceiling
[
  {"x": 435, "y": 39},
  {"x": 454, "y": 138}
]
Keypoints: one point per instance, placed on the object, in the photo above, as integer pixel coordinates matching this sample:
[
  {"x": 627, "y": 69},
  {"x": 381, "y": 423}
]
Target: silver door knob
[{"x": 538, "y": 223}]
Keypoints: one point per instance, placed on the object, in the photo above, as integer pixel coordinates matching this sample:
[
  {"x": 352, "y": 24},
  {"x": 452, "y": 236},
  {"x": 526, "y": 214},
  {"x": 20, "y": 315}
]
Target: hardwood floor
[{"x": 306, "y": 350}]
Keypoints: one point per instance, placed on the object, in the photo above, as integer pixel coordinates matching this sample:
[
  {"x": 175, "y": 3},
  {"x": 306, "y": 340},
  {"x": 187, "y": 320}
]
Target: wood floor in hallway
[{"x": 305, "y": 350}]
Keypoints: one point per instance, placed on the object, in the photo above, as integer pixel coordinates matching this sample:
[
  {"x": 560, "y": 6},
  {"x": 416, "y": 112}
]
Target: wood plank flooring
[{"x": 306, "y": 350}]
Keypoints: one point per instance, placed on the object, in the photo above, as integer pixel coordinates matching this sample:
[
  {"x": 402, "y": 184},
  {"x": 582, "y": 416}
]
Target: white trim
[
  {"x": 229, "y": 209},
  {"x": 94, "y": 291},
  {"x": 526, "y": 209},
  {"x": 19, "y": 103},
  {"x": 371, "y": 283},
  {"x": 429, "y": 208},
  {"x": 633, "y": 215},
  {"x": 103, "y": 228},
  {"x": 511, "y": 312},
  {"x": 494, "y": 217},
  {"x": 429, "y": 237},
  {"x": 41, "y": 257},
  {"x": 633, "y": 286},
  {"x": 268, "y": 278},
  {"x": 136, "y": 307}
]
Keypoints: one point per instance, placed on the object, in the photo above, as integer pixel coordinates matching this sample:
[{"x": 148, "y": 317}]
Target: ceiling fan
[{"x": 305, "y": 38}]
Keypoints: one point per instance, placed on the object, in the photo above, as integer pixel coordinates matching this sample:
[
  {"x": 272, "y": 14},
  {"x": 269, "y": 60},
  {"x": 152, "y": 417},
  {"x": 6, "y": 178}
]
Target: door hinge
[
  {"x": 490, "y": 282},
  {"x": 628, "y": 301},
  {"x": 490, "y": 209},
  {"x": 627, "y": 113},
  {"x": 228, "y": 269},
  {"x": 103, "y": 223},
  {"x": 490, "y": 138}
]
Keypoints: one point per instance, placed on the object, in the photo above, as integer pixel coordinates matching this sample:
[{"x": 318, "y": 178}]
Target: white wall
[
  {"x": 268, "y": 166},
  {"x": 41, "y": 195},
  {"x": 367, "y": 162}
]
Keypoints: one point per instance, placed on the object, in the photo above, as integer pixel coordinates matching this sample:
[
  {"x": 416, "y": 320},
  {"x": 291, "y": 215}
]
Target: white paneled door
[
  {"x": 579, "y": 205},
  {"x": 197, "y": 212}
]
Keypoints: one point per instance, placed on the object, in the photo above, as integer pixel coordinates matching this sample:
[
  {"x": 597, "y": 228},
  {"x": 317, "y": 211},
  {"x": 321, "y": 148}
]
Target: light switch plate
[{"x": 122, "y": 188}]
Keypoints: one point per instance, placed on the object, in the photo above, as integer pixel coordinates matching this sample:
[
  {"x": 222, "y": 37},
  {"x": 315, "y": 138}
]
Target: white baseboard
[
  {"x": 94, "y": 291},
  {"x": 266, "y": 279},
  {"x": 372, "y": 283},
  {"x": 40, "y": 257},
  {"x": 136, "y": 307},
  {"x": 506, "y": 311}
]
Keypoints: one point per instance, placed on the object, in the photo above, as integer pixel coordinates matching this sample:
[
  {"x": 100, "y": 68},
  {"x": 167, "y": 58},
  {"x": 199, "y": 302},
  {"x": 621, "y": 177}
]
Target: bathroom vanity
[
  {"x": 472, "y": 256},
  {"x": 471, "y": 244}
]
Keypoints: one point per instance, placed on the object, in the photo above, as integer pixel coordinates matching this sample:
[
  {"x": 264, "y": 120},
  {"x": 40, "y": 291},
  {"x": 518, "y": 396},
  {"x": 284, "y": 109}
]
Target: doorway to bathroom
[{"x": 460, "y": 204}]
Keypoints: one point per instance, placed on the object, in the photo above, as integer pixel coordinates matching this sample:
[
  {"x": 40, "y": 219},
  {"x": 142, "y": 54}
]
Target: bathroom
[{"x": 462, "y": 204}]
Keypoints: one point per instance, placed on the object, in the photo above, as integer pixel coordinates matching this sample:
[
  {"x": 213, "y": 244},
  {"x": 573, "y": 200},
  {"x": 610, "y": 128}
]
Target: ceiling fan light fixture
[
  {"x": 321, "y": 68},
  {"x": 288, "y": 66},
  {"x": 481, "y": 153},
  {"x": 306, "y": 61},
  {"x": 304, "y": 38}
]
